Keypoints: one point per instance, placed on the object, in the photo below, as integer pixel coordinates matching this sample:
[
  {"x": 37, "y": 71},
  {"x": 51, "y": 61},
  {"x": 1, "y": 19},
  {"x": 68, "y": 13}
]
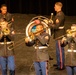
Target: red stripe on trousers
[{"x": 60, "y": 50}]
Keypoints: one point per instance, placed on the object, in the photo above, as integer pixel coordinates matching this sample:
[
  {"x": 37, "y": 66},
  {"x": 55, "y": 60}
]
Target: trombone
[
  {"x": 68, "y": 34},
  {"x": 12, "y": 45}
]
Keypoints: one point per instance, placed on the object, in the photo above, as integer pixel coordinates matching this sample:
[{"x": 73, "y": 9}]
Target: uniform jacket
[
  {"x": 40, "y": 41},
  {"x": 58, "y": 32},
  {"x": 70, "y": 58},
  {"x": 4, "y": 51},
  {"x": 8, "y": 18}
]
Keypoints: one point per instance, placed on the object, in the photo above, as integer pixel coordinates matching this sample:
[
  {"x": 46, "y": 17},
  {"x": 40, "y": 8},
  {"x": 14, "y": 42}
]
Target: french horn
[{"x": 31, "y": 27}]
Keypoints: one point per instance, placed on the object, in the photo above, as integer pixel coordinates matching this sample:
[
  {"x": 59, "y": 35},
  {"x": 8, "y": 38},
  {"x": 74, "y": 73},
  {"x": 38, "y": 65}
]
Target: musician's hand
[
  {"x": 12, "y": 19},
  {"x": 37, "y": 34},
  {"x": 1, "y": 34},
  {"x": 57, "y": 20},
  {"x": 13, "y": 32},
  {"x": 46, "y": 37},
  {"x": 51, "y": 21},
  {"x": 63, "y": 39},
  {"x": 26, "y": 40}
]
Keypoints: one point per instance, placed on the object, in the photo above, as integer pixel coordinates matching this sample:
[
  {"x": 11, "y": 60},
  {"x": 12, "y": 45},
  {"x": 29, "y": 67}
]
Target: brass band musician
[
  {"x": 57, "y": 25},
  {"x": 70, "y": 56},
  {"x": 5, "y": 14},
  {"x": 40, "y": 45},
  {"x": 6, "y": 55}
]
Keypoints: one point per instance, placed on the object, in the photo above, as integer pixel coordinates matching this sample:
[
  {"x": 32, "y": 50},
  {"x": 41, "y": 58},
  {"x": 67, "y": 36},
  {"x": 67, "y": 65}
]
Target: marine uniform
[
  {"x": 59, "y": 30},
  {"x": 70, "y": 57},
  {"x": 40, "y": 45},
  {"x": 6, "y": 54}
]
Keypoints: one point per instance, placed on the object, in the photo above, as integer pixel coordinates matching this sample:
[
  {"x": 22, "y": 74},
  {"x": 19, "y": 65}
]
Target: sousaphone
[{"x": 31, "y": 27}]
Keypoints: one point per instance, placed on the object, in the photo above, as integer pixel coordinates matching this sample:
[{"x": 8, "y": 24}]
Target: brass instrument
[
  {"x": 6, "y": 31},
  {"x": 33, "y": 22},
  {"x": 16, "y": 44},
  {"x": 69, "y": 31},
  {"x": 29, "y": 33},
  {"x": 32, "y": 35},
  {"x": 68, "y": 34},
  {"x": 11, "y": 46},
  {"x": 51, "y": 18}
]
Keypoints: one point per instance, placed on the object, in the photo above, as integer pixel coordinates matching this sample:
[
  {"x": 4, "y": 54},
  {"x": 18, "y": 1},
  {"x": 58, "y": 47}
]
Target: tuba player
[{"x": 41, "y": 47}]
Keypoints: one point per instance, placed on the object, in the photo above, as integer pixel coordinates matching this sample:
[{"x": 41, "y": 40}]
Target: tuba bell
[{"x": 31, "y": 27}]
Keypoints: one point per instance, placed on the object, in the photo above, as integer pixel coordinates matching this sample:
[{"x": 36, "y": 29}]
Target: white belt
[
  {"x": 6, "y": 42},
  {"x": 69, "y": 50},
  {"x": 40, "y": 47},
  {"x": 61, "y": 27}
]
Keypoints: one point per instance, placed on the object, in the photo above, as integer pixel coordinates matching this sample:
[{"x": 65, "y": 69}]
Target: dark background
[{"x": 43, "y": 7}]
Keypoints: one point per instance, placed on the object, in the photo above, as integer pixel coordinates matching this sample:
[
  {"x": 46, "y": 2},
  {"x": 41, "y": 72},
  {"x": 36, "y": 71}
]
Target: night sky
[{"x": 43, "y": 7}]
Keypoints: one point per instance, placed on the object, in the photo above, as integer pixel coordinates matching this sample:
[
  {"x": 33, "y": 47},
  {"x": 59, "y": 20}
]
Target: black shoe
[
  {"x": 55, "y": 65},
  {"x": 12, "y": 72},
  {"x": 57, "y": 68},
  {"x": 50, "y": 58}
]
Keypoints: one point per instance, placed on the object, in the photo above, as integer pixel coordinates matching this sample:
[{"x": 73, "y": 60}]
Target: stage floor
[{"x": 24, "y": 54}]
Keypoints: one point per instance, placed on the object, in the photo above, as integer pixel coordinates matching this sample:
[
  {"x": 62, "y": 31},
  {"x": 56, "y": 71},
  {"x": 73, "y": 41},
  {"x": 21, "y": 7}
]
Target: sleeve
[
  {"x": 11, "y": 36},
  {"x": 10, "y": 23},
  {"x": 59, "y": 17},
  {"x": 75, "y": 39},
  {"x": 43, "y": 39},
  {"x": 10, "y": 16},
  {"x": 30, "y": 43},
  {"x": 65, "y": 43}
]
